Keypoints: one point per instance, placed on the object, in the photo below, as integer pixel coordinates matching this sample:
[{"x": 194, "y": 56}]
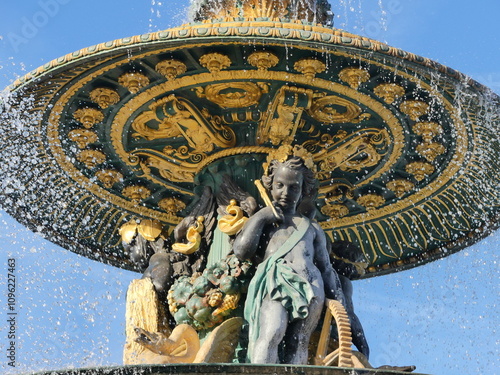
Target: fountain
[{"x": 395, "y": 153}]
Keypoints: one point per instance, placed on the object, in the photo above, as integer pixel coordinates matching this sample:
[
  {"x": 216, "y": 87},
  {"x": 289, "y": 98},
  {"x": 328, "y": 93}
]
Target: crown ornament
[{"x": 283, "y": 152}]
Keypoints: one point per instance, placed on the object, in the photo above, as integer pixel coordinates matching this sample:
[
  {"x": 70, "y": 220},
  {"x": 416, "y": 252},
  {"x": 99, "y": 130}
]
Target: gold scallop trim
[{"x": 290, "y": 30}]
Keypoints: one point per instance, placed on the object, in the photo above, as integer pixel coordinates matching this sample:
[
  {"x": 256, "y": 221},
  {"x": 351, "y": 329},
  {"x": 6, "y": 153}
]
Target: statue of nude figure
[{"x": 287, "y": 294}]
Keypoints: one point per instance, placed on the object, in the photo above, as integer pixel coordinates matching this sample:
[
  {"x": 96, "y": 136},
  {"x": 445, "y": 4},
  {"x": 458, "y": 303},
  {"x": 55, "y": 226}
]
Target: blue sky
[{"x": 441, "y": 317}]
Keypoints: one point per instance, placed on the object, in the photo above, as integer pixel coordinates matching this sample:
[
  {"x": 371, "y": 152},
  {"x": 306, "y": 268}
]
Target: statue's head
[{"x": 291, "y": 176}]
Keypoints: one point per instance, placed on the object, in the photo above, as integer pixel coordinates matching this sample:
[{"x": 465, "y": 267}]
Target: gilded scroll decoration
[
  {"x": 351, "y": 153},
  {"x": 193, "y": 238},
  {"x": 263, "y": 60},
  {"x": 104, "y": 97},
  {"x": 326, "y": 110},
  {"x": 82, "y": 137},
  {"x": 389, "y": 92},
  {"x": 176, "y": 117},
  {"x": 309, "y": 67},
  {"x": 88, "y": 117},
  {"x": 233, "y": 222},
  {"x": 133, "y": 81},
  {"x": 171, "y": 68},
  {"x": 354, "y": 76},
  {"x": 284, "y": 115},
  {"x": 168, "y": 168},
  {"x": 338, "y": 192}
]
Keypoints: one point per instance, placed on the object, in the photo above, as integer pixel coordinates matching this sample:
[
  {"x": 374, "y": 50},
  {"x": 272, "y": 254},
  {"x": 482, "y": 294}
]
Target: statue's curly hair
[{"x": 297, "y": 164}]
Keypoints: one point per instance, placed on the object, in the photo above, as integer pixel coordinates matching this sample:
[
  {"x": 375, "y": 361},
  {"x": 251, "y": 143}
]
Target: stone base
[{"x": 222, "y": 369}]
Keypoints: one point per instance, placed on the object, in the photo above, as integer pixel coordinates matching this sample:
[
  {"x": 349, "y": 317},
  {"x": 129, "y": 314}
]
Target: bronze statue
[{"x": 286, "y": 296}]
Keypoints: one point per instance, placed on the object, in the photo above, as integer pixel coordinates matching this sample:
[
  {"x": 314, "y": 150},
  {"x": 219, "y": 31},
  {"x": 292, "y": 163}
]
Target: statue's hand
[{"x": 269, "y": 217}]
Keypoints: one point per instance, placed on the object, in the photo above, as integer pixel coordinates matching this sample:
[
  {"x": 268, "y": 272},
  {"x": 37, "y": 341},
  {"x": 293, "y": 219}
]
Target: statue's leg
[
  {"x": 160, "y": 271},
  {"x": 299, "y": 333},
  {"x": 272, "y": 328},
  {"x": 358, "y": 335}
]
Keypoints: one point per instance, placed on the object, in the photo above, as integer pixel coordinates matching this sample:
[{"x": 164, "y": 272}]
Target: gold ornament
[
  {"x": 128, "y": 231},
  {"x": 431, "y": 151},
  {"x": 263, "y": 60},
  {"x": 82, "y": 137},
  {"x": 309, "y": 67},
  {"x": 91, "y": 158},
  {"x": 134, "y": 82},
  {"x": 400, "y": 187},
  {"x": 337, "y": 192},
  {"x": 232, "y": 223},
  {"x": 354, "y": 76},
  {"x": 150, "y": 229},
  {"x": 371, "y": 201},
  {"x": 359, "y": 150},
  {"x": 283, "y": 117},
  {"x": 171, "y": 68},
  {"x": 230, "y": 302},
  {"x": 136, "y": 193},
  {"x": 414, "y": 108},
  {"x": 389, "y": 92},
  {"x": 233, "y": 94},
  {"x": 427, "y": 130},
  {"x": 324, "y": 109},
  {"x": 271, "y": 10},
  {"x": 171, "y": 205},
  {"x": 88, "y": 117},
  {"x": 282, "y": 153},
  {"x": 215, "y": 62},
  {"x": 104, "y": 97},
  {"x": 215, "y": 298},
  {"x": 420, "y": 170},
  {"x": 109, "y": 177},
  {"x": 193, "y": 238},
  {"x": 335, "y": 211},
  {"x": 178, "y": 117}
]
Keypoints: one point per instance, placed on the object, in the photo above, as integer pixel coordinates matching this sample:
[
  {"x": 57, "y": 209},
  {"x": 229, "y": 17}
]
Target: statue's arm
[
  {"x": 331, "y": 281},
  {"x": 247, "y": 241}
]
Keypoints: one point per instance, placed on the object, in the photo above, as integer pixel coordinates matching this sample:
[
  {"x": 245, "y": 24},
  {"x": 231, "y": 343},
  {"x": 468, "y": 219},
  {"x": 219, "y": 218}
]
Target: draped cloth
[{"x": 276, "y": 279}]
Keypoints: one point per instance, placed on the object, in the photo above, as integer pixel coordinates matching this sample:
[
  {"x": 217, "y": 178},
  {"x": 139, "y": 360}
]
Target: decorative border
[{"x": 238, "y": 27}]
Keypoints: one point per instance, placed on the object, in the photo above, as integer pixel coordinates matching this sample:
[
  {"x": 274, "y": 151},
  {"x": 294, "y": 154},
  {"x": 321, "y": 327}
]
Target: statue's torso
[{"x": 301, "y": 257}]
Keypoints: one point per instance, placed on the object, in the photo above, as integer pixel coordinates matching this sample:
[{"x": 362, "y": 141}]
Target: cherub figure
[{"x": 287, "y": 294}]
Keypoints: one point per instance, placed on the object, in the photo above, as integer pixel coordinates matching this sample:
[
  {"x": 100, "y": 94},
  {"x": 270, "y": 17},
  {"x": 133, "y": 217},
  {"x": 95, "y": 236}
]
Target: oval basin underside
[{"x": 407, "y": 150}]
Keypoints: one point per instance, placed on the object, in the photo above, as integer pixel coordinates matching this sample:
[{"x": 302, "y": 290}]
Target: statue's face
[{"x": 287, "y": 187}]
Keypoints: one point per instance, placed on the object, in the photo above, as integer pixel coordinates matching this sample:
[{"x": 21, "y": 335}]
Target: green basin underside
[{"x": 454, "y": 204}]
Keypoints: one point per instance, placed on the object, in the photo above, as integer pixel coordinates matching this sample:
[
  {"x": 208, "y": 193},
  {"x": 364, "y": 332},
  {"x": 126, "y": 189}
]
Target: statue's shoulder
[{"x": 317, "y": 228}]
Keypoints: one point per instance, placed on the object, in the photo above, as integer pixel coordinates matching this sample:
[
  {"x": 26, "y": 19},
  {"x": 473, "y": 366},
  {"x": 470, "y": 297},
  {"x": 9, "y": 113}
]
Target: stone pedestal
[{"x": 223, "y": 369}]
